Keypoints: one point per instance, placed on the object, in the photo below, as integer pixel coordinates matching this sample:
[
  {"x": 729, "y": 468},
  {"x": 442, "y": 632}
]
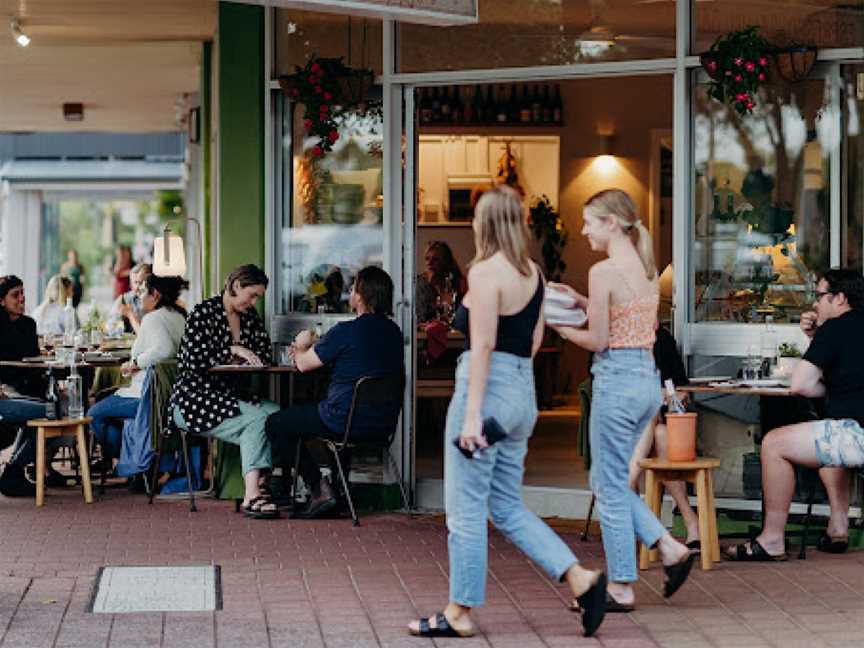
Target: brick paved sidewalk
[{"x": 324, "y": 583}]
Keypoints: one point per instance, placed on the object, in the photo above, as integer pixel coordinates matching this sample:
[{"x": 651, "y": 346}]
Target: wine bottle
[
  {"x": 525, "y": 107},
  {"x": 557, "y": 106},
  {"x": 436, "y": 106},
  {"x": 547, "y": 105},
  {"x": 52, "y": 399},
  {"x": 474, "y": 108},
  {"x": 457, "y": 110},
  {"x": 446, "y": 116},
  {"x": 425, "y": 107},
  {"x": 536, "y": 107},
  {"x": 501, "y": 106},
  {"x": 672, "y": 401},
  {"x": 514, "y": 108}
]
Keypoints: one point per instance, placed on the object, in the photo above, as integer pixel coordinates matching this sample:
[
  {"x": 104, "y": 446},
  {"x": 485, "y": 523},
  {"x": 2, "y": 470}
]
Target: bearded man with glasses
[{"x": 833, "y": 369}]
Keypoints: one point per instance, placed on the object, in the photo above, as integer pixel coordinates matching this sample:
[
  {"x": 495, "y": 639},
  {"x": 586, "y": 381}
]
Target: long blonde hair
[
  {"x": 618, "y": 204},
  {"x": 500, "y": 226},
  {"x": 56, "y": 290}
]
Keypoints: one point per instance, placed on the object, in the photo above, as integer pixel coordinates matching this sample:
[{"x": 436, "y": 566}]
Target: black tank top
[{"x": 515, "y": 332}]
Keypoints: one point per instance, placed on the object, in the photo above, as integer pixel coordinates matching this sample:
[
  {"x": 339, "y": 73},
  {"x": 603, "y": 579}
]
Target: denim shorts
[{"x": 839, "y": 442}]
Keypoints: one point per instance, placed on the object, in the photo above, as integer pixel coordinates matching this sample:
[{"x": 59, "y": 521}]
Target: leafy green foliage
[{"x": 549, "y": 229}]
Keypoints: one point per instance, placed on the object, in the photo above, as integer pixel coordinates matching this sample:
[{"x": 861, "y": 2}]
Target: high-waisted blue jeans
[
  {"x": 490, "y": 485},
  {"x": 625, "y": 398}
]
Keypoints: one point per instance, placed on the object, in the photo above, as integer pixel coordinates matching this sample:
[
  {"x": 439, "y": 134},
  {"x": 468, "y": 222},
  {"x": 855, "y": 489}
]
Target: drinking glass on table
[
  {"x": 285, "y": 355},
  {"x": 751, "y": 365}
]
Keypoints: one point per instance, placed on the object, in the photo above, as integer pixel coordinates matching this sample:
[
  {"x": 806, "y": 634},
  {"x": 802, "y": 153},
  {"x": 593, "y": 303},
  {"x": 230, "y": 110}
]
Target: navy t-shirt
[
  {"x": 370, "y": 345},
  {"x": 838, "y": 351}
]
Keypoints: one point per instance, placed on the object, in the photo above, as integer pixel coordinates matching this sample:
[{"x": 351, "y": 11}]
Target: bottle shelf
[{"x": 488, "y": 129}]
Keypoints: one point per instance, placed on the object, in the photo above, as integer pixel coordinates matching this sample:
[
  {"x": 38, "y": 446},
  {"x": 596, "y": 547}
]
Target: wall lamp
[
  {"x": 22, "y": 39},
  {"x": 169, "y": 253}
]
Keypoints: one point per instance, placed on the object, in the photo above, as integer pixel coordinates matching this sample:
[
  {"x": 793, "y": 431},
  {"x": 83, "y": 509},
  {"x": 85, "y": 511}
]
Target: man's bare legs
[
  {"x": 836, "y": 482},
  {"x": 655, "y": 435},
  {"x": 782, "y": 449}
]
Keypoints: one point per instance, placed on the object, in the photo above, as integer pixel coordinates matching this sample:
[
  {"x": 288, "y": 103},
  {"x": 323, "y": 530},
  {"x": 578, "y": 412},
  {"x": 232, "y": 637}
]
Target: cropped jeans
[
  {"x": 626, "y": 397},
  {"x": 490, "y": 484}
]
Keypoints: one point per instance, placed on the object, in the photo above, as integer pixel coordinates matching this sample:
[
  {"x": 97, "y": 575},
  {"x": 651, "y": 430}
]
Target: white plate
[
  {"x": 765, "y": 382},
  {"x": 699, "y": 380}
]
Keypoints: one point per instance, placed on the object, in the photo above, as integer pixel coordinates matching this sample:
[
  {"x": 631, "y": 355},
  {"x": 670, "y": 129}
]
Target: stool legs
[
  {"x": 652, "y": 490},
  {"x": 84, "y": 460},
  {"x": 40, "y": 466},
  {"x": 712, "y": 518},
  {"x": 704, "y": 511}
]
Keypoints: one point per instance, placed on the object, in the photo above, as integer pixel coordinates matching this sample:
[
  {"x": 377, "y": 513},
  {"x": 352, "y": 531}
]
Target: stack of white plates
[{"x": 559, "y": 309}]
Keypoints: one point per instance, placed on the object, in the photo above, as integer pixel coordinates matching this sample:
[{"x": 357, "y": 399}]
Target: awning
[{"x": 62, "y": 174}]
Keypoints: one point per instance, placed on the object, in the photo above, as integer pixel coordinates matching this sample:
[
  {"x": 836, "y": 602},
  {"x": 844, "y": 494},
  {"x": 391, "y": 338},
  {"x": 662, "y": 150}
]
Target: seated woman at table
[
  {"x": 442, "y": 278},
  {"x": 18, "y": 340},
  {"x": 158, "y": 339},
  {"x": 221, "y": 330},
  {"x": 368, "y": 345},
  {"x": 49, "y": 315}
]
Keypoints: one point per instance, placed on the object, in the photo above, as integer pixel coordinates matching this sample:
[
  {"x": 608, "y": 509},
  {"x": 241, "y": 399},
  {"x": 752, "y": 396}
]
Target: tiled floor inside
[{"x": 326, "y": 583}]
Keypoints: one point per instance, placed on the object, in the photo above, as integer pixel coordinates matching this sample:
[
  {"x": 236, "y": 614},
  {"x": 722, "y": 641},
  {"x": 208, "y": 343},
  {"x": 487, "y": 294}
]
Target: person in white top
[
  {"x": 49, "y": 314},
  {"x": 158, "y": 339}
]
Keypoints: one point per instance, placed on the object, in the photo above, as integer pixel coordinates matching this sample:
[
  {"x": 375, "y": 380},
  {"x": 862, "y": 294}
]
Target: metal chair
[{"x": 369, "y": 391}]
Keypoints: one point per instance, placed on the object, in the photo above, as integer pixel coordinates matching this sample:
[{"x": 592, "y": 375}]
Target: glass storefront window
[
  {"x": 332, "y": 206},
  {"x": 852, "y": 243},
  {"x": 523, "y": 33},
  {"x": 835, "y": 23},
  {"x": 762, "y": 202}
]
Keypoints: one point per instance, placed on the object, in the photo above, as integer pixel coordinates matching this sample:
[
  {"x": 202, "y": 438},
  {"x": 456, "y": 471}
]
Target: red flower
[
  {"x": 324, "y": 109},
  {"x": 749, "y": 66},
  {"x": 307, "y": 124},
  {"x": 712, "y": 65},
  {"x": 739, "y": 78},
  {"x": 761, "y": 76},
  {"x": 312, "y": 79},
  {"x": 327, "y": 96},
  {"x": 750, "y": 105},
  {"x": 295, "y": 92},
  {"x": 739, "y": 62},
  {"x": 315, "y": 68},
  {"x": 317, "y": 151},
  {"x": 334, "y": 135},
  {"x": 763, "y": 61},
  {"x": 317, "y": 89},
  {"x": 728, "y": 73},
  {"x": 741, "y": 96}
]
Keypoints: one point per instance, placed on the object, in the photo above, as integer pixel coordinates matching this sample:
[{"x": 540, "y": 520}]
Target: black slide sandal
[
  {"x": 592, "y": 604},
  {"x": 260, "y": 508},
  {"x": 676, "y": 574},
  {"x": 442, "y": 628}
]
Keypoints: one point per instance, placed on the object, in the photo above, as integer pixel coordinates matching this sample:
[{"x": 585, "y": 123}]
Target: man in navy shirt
[
  {"x": 369, "y": 345},
  {"x": 832, "y": 368}
]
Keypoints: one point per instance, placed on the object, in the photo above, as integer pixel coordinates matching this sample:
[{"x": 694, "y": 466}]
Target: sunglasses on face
[{"x": 819, "y": 294}]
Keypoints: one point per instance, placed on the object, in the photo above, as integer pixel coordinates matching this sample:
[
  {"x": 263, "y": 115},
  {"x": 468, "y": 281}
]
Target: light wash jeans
[
  {"x": 626, "y": 397},
  {"x": 490, "y": 484}
]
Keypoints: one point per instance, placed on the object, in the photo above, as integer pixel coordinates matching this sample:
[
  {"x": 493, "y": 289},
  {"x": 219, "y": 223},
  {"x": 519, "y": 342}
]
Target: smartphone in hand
[{"x": 492, "y": 432}]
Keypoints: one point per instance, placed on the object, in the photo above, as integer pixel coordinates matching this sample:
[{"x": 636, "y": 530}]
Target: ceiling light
[{"x": 20, "y": 37}]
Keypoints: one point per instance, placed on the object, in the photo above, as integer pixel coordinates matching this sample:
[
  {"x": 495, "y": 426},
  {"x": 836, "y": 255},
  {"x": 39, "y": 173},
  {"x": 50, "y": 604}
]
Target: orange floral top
[{"x": 632, "y": 324}]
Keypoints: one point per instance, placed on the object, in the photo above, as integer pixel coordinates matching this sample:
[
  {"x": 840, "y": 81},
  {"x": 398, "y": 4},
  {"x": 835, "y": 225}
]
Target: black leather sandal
[
  {"x": 261, "y": 508},
  {"x": 751, "y": 551},
  {"x": 833, "y": 544},
  {"x": 442, "y": 628},
  {"x": 676, "y": 574},
  {"x": 592, "y": 603}
]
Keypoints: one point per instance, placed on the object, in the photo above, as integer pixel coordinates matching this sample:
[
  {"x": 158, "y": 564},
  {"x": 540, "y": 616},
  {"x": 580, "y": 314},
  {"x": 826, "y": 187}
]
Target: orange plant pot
[{"x": 681, "y": 436}]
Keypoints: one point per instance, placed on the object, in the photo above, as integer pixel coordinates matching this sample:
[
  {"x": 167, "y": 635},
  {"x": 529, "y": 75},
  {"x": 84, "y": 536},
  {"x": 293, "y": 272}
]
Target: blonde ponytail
[
  {"x": 645, "y": 248},
  {"x": 618, "y": 204}
]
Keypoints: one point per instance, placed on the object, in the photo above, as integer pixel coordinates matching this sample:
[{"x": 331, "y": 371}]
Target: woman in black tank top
[{"x": 495, "y": 380}]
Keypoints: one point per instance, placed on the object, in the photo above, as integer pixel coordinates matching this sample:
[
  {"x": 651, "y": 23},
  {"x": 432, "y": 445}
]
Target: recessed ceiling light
[{"x": 22, "y": 39}]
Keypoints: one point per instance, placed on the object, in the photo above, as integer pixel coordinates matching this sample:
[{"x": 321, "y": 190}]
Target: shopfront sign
[{"x": 429, "y": 12}]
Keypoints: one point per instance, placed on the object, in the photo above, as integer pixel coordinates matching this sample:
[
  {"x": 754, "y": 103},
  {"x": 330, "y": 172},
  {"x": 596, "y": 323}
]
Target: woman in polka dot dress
[{"x": 222, "y": 330}]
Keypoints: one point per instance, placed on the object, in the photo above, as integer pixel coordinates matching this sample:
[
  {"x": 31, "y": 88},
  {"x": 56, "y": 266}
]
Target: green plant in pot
[
  {"x": 789, "y": 357},
  {"x": 548, "y": 228},
  {"x": 737, "y": 63}
]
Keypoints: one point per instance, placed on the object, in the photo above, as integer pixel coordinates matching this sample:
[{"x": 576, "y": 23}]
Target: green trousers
[{"x": 245, "y": 430}]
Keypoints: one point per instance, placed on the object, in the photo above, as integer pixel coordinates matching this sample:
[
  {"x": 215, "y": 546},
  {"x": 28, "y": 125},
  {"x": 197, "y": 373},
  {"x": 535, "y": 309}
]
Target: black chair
[
  {"x": 369, "y": 391},
  {"x": 169, "y": 429}
]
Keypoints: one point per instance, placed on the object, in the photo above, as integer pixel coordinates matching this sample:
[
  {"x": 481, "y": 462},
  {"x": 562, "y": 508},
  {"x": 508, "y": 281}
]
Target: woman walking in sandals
[
  {"x": 622, "y": 311},
  {"x": 502, "y": 319}
]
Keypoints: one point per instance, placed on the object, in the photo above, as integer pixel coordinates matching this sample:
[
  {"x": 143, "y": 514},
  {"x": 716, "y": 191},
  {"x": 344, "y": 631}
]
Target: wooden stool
[
  {"x": 696, "y": 472},
  {"x": 49, "y": 429}
]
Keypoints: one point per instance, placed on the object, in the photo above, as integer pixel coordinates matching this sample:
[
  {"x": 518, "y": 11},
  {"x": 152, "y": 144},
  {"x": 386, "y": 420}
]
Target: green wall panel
[{"x": 241, "y": 136}]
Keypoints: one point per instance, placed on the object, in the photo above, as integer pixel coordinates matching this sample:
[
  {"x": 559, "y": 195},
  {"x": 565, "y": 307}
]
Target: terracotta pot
[
  {"x": 681, "y": 436},
  {"x": 794, "y": 63}
]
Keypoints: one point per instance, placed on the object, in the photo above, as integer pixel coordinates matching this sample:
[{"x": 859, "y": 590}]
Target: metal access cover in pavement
[{"x": 157, "y": 589}]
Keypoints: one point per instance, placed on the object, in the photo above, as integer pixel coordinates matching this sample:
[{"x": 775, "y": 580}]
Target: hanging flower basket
[
  {"x": 326, "y": 87},
  {"x": 794, "y": 63},
  {"x": 737, "y": 64}
]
